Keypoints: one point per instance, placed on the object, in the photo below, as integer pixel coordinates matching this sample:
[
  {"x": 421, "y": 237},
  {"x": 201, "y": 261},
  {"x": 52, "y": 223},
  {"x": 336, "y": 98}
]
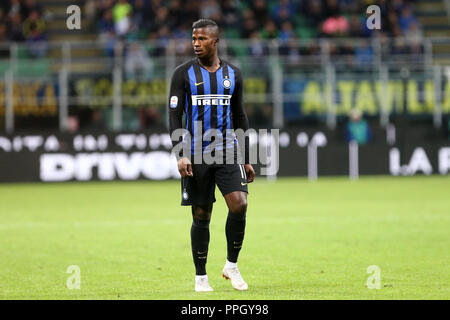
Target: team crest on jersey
[
  {"x": 173, "y": 102},
  {"x": 226, "y": 83}
]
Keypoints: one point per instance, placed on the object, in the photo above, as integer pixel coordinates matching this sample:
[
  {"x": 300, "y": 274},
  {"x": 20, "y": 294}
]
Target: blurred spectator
[
  {"x": 352, "y": 6},
  {"x": 153, "y": 8},
  {"x": 346, "y": 50},
  {"x": 149, "y": 16},
  {"x": 161, "y": 20},
  {"x": 22, "y": 20},
  {"x": 34, "y": 32},
  {"x": 15, "y": 27},
  {"x": 261, "y": 11},
  {"x": 4, "y": 50},
  {"x": 356, "y": 27},
  {"x": 90, "y": 13},
  {"x": 398, "y": 45},
  {"x": 391, "y": 22},
  {"x": 257, "y": 47},
  {"x": 287, "y": 32},
  {"x": 331, "y": 8},
  {"x": 191, "y": 10},
  {"x": 139, "y": 15},
  {"x": 15, "y": 8},
  {"x": 122, "y": 11},
  {"x": 288, "y": 45},
  {"x": 414, "y": 34},
  {"x": 106, "y": 23},
  {"x": 97, "y": 121},
  {"x": 137, "y": 62},
  {"x": 183, "y": 42},
  {"x": 283, "y": 11},
  {"x": 358, "y": 129},
  {"x": 293, "y": 52},
  {"x": 314, "y": 13},
  {"x": 2, "y": 14},
  {"x": 230, "y": 14},
  {"x": 176, "y": 12},
  {"x": 364, "y": 55},
  {"x": 249, "y": 25},
  {"x": 396, "y": 6},
  {"x": 281, "y": 19},
  {"x": 73, "y": 124},
  {"x": 210, "y": 9},
  {"x": 270, "y": 30},
  {"x": 336, "y": 24},
  {"x": 29, "y": 6},
  {"x": 162, "y": 40},
  {"x": 149, "y": 117},
  {"x": 106, "y": 32},
  {"x": 257, "y": 50},
  {"x": 414, "y": 39}
]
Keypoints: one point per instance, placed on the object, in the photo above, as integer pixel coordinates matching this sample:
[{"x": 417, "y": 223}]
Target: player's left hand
[{"x": 250, "y": 172}]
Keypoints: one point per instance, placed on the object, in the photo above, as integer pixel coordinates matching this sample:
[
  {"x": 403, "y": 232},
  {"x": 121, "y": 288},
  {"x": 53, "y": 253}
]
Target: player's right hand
[{"x": 185, "y": 167}]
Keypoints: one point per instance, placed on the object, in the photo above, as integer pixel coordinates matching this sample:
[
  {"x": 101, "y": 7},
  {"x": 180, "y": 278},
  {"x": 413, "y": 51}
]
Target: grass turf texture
[{"x": 303, "y": 240}]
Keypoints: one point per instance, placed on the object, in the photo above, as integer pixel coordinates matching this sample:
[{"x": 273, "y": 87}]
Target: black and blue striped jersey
[{"x": 212, "y": 99}]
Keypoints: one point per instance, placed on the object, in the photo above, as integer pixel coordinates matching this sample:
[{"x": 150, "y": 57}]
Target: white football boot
[
  {"x": 202, "y": 284},
  {"x": 233, "y": 274}
]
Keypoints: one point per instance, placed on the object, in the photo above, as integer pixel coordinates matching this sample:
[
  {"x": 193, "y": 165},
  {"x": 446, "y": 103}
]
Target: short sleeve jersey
[{"x": 209, "y": 100}]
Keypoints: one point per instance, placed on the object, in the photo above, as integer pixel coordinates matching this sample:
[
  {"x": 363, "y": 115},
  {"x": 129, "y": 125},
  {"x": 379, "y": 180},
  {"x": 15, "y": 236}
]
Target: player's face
[{"x": 204, "y": 42}]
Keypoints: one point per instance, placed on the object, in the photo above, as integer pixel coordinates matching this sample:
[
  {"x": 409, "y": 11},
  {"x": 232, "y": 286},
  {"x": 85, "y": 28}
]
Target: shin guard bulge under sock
[
  {"x": 234, "y": 230},
  {"x": 199, "y": 244}
]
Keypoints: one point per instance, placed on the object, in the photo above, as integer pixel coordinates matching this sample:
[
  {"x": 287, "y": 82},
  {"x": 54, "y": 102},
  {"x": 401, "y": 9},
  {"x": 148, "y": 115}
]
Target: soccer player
[{"x": 208, "y": 90}]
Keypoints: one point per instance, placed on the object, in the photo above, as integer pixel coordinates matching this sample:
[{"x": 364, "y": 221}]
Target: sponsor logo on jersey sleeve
[{"x": 173, "y": 102}]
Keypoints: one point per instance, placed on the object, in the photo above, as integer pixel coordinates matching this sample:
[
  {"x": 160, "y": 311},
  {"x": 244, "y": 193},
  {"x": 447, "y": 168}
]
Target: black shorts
[{"x": 200, "y": 189}]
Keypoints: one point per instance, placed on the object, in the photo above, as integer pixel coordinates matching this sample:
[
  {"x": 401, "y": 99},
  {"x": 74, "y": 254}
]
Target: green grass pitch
[{"x": 303, "y": 240}]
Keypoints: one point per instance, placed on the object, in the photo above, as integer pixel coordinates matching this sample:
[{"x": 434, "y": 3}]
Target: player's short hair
[{"x": 201, "y": 23}]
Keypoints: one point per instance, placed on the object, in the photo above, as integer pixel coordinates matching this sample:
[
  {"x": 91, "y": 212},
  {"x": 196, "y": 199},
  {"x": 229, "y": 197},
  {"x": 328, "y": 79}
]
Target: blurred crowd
[
  {"x": 23, "y": 21},
  {"x": 285, "y": 20},
  {"x": 161, "y": 20}
]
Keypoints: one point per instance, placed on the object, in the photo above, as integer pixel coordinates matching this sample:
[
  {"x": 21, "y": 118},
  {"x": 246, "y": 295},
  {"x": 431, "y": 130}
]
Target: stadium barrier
[
  {"x": 55, "y": 156},
  {"x": 295, "y": 82}
]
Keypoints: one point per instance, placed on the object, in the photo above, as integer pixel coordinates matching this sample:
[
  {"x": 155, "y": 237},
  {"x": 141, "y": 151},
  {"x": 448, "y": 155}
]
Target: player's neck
[{"x": 210, "y": 63}]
